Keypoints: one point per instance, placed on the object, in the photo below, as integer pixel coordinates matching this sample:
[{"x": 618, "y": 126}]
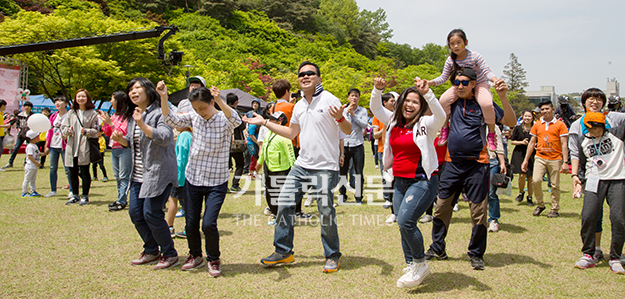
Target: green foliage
[
  {"x": 8, "y": 7},
  {"x": 298, "y": 15},
  {"x": 514, "y": 75},
  {"x": 404, "y": 55}
]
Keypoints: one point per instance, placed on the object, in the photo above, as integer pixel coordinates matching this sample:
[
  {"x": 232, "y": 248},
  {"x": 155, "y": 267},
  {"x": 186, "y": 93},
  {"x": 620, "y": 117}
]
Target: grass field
[{"x": 48, "y": 249}]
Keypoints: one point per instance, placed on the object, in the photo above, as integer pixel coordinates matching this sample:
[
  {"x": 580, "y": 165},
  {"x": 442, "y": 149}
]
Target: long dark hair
[
  {"x": 88, "y": 106},
  {"x": 455, "y": 67},
  {"x": 398, "y": 116},
  {"x": 125, "y": 107},
  {"x": 150, "y": 91},
  {"x": 530, "y": 112}
]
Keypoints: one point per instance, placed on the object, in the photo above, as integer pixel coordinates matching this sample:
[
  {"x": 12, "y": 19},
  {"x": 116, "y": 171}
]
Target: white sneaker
[
  {"x": 309, "y": 201},
  {"x": 414, "y": 275},
  {"x": 268, "y": 212},
  {"x": 376, "y": 167},
  {"x": 493, "y": 227},
  {"x": 391, "y": 218},
  {"x": 70, "y": 195},
  {"x": 387, "y": 204},
  {"x": 616, "y": 266},
  {"x": 50, "y": 194},
  {"x": 456, "y": 209},
  {"x": 426, "y": 218}
]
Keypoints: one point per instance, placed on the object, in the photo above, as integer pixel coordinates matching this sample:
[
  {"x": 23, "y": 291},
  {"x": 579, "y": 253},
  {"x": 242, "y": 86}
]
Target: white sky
[{"x": 572, "y": 44}]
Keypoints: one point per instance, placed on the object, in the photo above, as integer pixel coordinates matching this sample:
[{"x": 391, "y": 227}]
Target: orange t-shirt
[
  {"x": 377, "y": 122},
  {"x": 548, "y": 145},
  {"x": 287, "y": 108}
]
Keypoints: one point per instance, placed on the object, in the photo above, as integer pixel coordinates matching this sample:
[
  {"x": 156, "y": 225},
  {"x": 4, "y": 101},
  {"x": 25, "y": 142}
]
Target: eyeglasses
[
  {"x": 457, "y": 82},
  {"x": 307, "y": 73}
]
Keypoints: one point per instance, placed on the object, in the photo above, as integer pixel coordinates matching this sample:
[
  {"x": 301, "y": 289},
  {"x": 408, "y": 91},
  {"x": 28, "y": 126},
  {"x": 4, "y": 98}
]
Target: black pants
[
  {"x": 239, "y": 161},
  {"x": 83, "y": 172},
  {"x": 212, "y": 198},
  {"x": 41, "y": 145},
  {"x": 101, "y": 164},
  {"x": 357, "y": 155}
]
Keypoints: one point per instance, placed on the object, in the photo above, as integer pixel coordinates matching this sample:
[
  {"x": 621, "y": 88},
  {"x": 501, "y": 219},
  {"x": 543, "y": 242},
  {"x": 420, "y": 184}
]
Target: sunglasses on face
[
  {"x": 464, "y": 82},
  {"x": 307, "y": 73}
]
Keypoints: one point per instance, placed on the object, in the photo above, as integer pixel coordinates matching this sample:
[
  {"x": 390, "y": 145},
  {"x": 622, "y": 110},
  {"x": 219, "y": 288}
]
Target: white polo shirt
[{"x": 319, "y": 132}]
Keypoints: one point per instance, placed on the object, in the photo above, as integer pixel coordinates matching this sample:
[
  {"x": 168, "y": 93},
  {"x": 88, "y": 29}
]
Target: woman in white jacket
[{"x": 409, "y": 149}]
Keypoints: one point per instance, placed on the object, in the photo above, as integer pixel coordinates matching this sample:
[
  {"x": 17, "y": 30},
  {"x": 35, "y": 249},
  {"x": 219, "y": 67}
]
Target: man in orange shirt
[
  {"x": 551, "y": 139},
  {"x": 282, "y": 90}
]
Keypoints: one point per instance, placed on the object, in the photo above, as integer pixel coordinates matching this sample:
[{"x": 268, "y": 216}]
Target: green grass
[{"x": 49, "y": 249}]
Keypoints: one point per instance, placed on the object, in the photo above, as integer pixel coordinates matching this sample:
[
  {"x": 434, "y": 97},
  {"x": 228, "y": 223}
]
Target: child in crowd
[
  {"x": 42, "y": 138},
  {"x": 183, "y": 144},
  {"x": 252, "y": 149},
  {"x": 461, "y": 57},
  {"x": 94, "y": 166},
  {"x": 32, "y": 164}
]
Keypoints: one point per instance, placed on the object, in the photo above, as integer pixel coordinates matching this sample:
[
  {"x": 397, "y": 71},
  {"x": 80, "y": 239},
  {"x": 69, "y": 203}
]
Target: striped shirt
[
  {"x": 137, "y": 171},
  {"x": 473, "y": 60},
  {"x": 210, "y": 145}
]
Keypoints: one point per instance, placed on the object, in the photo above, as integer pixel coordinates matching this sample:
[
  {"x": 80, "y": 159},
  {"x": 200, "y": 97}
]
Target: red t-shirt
[{"x": 407, "y": 155}]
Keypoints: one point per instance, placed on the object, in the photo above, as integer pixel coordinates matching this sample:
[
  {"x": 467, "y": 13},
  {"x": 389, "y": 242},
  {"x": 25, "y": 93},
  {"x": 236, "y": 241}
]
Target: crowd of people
[{"x": 430, "y": 153}]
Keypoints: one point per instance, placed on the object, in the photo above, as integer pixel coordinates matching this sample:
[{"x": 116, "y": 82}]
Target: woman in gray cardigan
[
  {"x": 154, "y": 173},
  {"x": 80, "y": 124}
]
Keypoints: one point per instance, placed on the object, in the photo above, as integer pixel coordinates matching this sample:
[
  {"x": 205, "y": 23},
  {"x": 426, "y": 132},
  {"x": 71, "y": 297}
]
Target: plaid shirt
[{"x": 210, "y": 146}]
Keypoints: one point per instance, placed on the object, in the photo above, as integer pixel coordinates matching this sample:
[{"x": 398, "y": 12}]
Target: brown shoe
[
  {"x": 214, "y": 268},
  {"x": 553, "y": 214},
  {"x": 193, "y": 263},
  {"x": 538, "y": 210},
  {"x": 146, "y": 259},
  {"x": 167, "y": 262}
]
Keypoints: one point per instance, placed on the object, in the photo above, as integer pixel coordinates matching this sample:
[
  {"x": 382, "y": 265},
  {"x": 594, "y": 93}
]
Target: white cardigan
[{"x": 428, "y": 123}]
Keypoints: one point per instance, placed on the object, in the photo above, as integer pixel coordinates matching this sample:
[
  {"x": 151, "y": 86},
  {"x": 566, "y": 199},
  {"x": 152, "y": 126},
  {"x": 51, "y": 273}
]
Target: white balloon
[{"x": 39, "y": 123}]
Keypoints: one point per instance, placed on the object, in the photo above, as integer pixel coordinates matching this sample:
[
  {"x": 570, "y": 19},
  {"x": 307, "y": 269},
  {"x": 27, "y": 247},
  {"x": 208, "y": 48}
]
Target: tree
[
  {"x": 514, "y": 75},
  {"x": 297, "y": 15}
]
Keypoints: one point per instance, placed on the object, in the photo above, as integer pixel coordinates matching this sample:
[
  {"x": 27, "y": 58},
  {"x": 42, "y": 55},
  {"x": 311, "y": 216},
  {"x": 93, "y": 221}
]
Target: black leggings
[
  {"x": 101, "y": 164},
  {"x": 83, "y": 172}
]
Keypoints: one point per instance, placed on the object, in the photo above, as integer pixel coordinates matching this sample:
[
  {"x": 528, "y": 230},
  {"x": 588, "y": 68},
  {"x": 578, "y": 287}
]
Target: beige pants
[{"x": 541, "y": 166}]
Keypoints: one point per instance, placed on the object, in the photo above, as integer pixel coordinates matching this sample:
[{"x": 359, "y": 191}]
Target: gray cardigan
[
  {"x": 77, "y": 144},
  {"x": 158, "y": 153}
]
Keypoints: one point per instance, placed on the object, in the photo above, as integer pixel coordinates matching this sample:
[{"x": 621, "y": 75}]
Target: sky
[{"x": 572, "y": 44}]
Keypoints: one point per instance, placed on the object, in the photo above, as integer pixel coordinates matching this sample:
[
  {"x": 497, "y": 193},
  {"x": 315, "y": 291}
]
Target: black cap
[{"x": 468, "y": 72}]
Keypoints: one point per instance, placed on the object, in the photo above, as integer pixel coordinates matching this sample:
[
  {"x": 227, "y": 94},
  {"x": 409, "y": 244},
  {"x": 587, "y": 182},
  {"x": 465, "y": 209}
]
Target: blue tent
[{"x": 39, "y": 102}]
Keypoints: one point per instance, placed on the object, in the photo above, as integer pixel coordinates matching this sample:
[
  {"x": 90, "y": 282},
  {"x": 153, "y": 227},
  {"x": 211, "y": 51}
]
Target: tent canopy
[{"x": 40, "y": 101}]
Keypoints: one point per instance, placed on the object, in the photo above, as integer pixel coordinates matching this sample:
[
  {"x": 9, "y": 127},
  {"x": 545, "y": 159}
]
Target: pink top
[
  {"x": 119, "y": 124},
  {"x": 473, "y": 60}
]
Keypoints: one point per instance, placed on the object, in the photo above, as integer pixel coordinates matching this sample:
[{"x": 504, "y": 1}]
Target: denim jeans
[
  {"x": 411, "y": 198},
  {"x": 149, "y": 219},
  {"x": 55, "y": 153},
  {"x": 493, "y": 199},
  {"x": 212, "y": 198},
  {"x": 388, "y": 192},
  {"x": 16, "y": 149},
  {"x": 321, "y": 184},
  {"x": 121, "y": 160}
]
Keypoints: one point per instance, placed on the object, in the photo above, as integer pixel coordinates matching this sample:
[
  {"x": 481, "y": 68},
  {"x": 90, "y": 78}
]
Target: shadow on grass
[
  {"x": 511, "y": 228},
  {"x": 449, "y": 281},
  {"x": 498, "y": 260}
]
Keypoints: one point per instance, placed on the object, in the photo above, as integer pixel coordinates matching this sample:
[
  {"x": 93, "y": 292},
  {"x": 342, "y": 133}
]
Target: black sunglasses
[
  {"x": 307, "y": 73},
  {"x": 464, "y": 82}
]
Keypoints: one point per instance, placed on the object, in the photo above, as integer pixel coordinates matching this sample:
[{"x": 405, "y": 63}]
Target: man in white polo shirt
[{"x": 319, "y": 121}]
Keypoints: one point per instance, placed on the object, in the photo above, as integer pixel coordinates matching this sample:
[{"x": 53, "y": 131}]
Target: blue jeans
[
  {"x": 493, "y": 199},
  {"x": 321, "y": 184},
  {"x": 411, "y": 198},
  {"x": 16, "y": 149},
  {"x": 212, "y": 198},
  {"x": 121, "y": 160},
  {"x": 149, "y": 219},
  {"x": 54, "y": 165}
]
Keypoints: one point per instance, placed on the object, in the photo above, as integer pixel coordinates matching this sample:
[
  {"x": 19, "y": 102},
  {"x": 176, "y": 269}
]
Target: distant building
[
  {"x": 545, "y": 93},
  {"x": 612, "y": 88}
]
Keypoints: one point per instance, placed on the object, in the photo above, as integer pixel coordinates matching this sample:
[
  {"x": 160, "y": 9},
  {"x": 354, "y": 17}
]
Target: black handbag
[
  {"x": 499, "y": 180},
  {"x": 94, "y": 145}
]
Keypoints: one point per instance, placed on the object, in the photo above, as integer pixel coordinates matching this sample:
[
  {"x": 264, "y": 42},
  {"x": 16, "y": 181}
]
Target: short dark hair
[
  {"x": 231, "y": 98},
  {"x": 3, "y": 103},
  {"x": 386, "y": 97},
  {"x": 202, "y": 94},
  {"x": 545, "y": 102},
  {"x": 46, "y": 109},
  {"x": 29, "y": 104},
  {"x": 280, "y": 87},
  {"x": 593, "y": 92},
  {"x": 353, "y": 90},
  {"x": 61, "y": 98},
  {"x": 305, "y": 63},
  {"x": 88, "y": 106}
]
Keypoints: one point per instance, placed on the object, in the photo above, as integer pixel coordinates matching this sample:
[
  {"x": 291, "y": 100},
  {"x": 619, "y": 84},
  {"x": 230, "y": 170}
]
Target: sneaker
[
  {"x": 214, "y": 268},
  {"x": 376, "y": 167},
  {"x": 167, "y": 262},
  {"x": 456, "y": 208},
  {"x": 302, "y": 215},
  {"x": 520, "y": 197},
  {"x": 25, "y": 194},
  {"x": 66, "y": 187},
  {"x": 426, "y": 218},
  {"x": 332, "y": 265},
  {"x": 538, "y": 210},
  {"x": 7, "y": 166},
  {"x": 278, "y": 258},
  {"x": 414, "y": 275},
  {"x": 34, "y": 194},
  {"x": 553, "y": 214},
  {"x": 477, "y": 263},
  {"x": 94, "y": 178},
  {"x": 73, "y": 200},
  {"x": 309, "y": 201},
  {"x": 182, "y": 234},
  {"x": 387, "y": 204},
  {"x": 391, "y": 219},
  {"x": 493, "y": 226},
  {"x": 616, "y": 266},
  {"x": 492, "y": 141},
  {"x": 180, "y": 213},
  {"x": 267, "y": 212},
  {"x": 117, "y": 207},
  {"x": 84, "y": 200},
  {"x": 146, "y": 259},
  {"x": 235, "y": 189},
  {"x": 530, "y": 203},
  {"x": 272, "y": 221},
  {"x": 193, "y": 263},
  {"x": 51, "y": 194},
  {"x": 585, "y": 262},
  {"x": 70, "y": 195},
  {"x": 598, "y": 256},
  {"x": 442, "y": 138},
  {"x": 172, "y": 232},
  {"x": 431, "y": 254},
  {"x": 2, "y": 169},
  {"x": 105, "y": 179}
]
